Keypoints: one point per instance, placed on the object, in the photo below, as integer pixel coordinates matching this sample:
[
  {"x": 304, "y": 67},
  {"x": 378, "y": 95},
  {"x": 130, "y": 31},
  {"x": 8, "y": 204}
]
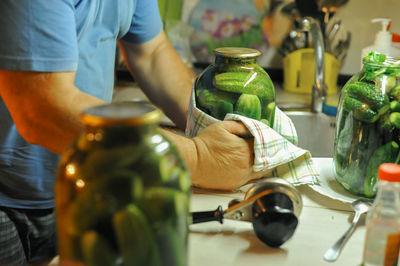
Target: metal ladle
[
  {"x": 272, "y": 205},
  {"x": 360, "y": 206}
]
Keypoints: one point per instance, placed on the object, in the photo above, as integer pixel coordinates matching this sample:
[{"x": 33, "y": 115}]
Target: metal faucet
[{"x": 319, "y": 88}]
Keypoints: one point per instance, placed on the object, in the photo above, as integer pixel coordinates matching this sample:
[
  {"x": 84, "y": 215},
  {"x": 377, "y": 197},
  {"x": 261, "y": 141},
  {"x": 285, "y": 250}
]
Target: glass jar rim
[
  {"x": 236, "y": 52},
  {"x": 390, "y": 62},
  {"x": 121, "y": 113}
]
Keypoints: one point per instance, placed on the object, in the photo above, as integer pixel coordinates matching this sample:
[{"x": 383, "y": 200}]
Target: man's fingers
[{"x": 237, "y": 128}]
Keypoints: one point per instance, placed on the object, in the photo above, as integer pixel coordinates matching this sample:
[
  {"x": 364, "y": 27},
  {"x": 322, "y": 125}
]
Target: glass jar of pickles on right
[{"x": 368, "y": 124}]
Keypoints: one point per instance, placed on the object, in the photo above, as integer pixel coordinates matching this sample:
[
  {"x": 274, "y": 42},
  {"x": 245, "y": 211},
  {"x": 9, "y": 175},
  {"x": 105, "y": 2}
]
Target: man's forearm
[{"x": 162, "y": 76}]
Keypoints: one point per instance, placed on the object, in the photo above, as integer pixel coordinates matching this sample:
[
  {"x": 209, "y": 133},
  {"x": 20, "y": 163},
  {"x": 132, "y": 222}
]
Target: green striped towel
[{"x": 275, "y": 150}]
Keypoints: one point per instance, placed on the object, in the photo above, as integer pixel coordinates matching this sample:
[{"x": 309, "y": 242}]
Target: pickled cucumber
[
  {"x": 206, "y": 99},
  {"x": 394, "y": 119},
  {"x": 172, "y": 248},
  {"x": 395, "y": 106},
  {"x": 135, "y": 239},
  {"x": 96, "y": 251},
  {"x": 269, "y": 113},
  {"x": 103, "y": 162},
  {"x": 168, "y": 168},
  {"x": 384, "y": 154},
  {"x": 395, "y": 93},
  {"x": 242, "y": 82},
  {"x": 361, "y": 111},
  {"x": 221, "y": 108},
  {"x": 368, "y": 94},
  {"x": 160, "y": 203},
  {"x": 94, "y": 205},
  {"x": 249, "y": 105}
]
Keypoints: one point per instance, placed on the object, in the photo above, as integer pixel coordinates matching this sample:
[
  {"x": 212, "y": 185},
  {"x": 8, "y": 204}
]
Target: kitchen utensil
[
  {"x": 272, "y": 205},
  {"x": 360, "y": 206},
  {"x": 342, "y": 52},
  {"x": 331, "y": 33}
]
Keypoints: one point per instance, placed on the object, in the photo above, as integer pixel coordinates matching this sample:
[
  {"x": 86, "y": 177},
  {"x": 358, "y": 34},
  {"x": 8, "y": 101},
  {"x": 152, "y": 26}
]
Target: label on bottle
[{"x": 392, "y": 249}]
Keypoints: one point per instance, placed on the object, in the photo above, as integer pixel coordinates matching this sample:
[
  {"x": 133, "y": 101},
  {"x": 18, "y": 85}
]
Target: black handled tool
[{"x": 272, "y": 205}]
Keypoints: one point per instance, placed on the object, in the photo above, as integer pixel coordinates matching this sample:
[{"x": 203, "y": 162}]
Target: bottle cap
[
  {"x": 121, "y": 113},
  {"x": 389, "y": 172},
  {"x": 236, "y": 52}
]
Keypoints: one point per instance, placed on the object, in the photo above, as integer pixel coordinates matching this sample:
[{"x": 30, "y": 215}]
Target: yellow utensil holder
[{"x": 299, "y": 71}]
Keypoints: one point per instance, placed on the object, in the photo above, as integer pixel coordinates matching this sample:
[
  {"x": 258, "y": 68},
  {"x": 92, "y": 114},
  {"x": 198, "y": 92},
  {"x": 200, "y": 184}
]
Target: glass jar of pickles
[
  {"x": 236, "y": 83},
  {"x": 368, "y": 124},
  {"x": 122, "y": 191}
]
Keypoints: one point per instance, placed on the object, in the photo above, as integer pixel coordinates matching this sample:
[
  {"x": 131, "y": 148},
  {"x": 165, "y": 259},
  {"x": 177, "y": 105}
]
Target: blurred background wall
[{"x": 355, "y": 16}]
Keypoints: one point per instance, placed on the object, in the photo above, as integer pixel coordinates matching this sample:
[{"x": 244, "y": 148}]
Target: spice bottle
[{"x": 382, "y": 241}]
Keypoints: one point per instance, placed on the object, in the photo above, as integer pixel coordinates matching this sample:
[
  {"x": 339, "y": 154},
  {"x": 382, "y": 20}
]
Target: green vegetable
[
  {"x": 101, "y": 163},
  {"x": 94, "y": 206},
  {"x": 395, "y": 106},
  {"x": 375, "y": 58},
  {"x": 395, "y": 119},
  {"x": 221, "y": 108},
  {"x": 390, "y": 83},
  {"x": 167, "y": 170},
  {"x": 366, "y": 93},
  {"x": 354, "y": 145},
  {"x": 171, "y": 247},
  {"x": 206, "y": 99},
  {"x": 395, "y": 93},
  {"x": 227, "y": 96},
  {"x": 361, "y": 111},
  {"x": 265, "y": 121},
  {"x": 135, "y": 238},
  {"x": 245, "y": 82},
  {"x": 96, "y": 250},
  {"x": 385, "y": 154},
  {"x": 159, "y": 203},
  {"x": 249, "y": 105},
  {"x": 269, "y": 113}
]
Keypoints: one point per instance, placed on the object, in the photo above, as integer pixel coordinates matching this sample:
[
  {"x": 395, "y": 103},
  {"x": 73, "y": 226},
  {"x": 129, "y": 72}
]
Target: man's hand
[{"x": 224, "y": 157}]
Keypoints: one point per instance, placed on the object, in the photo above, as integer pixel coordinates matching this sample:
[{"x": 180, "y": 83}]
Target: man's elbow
[{"x": 29, "y": 131}]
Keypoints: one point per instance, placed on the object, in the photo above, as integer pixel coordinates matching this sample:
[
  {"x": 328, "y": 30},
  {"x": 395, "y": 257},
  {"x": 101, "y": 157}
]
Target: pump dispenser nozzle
[
  {"x": 383, "y": 37},
  {"x": 385, "y": 22},
  {"x": 383, "y": 41}
]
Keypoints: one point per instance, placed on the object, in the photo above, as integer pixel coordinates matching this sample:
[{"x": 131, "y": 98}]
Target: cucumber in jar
[{"x": 368, "y": 124}]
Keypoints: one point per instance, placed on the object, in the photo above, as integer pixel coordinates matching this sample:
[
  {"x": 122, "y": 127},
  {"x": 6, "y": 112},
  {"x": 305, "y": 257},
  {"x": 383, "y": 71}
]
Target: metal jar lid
[
  {"x": 236, "y": 52},
  {"x": 121, "y": 113}
]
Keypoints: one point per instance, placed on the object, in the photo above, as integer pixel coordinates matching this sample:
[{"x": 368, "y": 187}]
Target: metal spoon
[{"x": 360, "y": 206}]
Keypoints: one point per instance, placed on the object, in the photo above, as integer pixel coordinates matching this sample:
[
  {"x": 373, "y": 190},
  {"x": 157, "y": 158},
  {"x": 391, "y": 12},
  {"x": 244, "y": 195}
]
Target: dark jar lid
[
  {"x": 121, "y": 113},
  {"x": 236, "y": 52}
]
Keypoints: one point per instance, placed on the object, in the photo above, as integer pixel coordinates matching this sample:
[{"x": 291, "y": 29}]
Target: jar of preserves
[
  {"x": 236, "y": 83},
  {"x": 368, "y": 124},
  {"x": 122, "y": 191}
]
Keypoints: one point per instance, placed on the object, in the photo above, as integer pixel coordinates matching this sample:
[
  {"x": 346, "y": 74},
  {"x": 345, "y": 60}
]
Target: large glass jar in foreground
[
  {"x": 122, "y": 191},
  {"x": 235, "y": 83},
  {"x": 368, "y": 123}
]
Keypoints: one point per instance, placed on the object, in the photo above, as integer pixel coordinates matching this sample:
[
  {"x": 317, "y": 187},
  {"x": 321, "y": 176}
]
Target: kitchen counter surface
[{"x": 322, "y": 221}]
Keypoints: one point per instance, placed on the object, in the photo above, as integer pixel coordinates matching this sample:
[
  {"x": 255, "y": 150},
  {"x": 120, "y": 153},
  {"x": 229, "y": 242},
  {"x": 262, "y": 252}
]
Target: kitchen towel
[{"x": 275, "y": 150}]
